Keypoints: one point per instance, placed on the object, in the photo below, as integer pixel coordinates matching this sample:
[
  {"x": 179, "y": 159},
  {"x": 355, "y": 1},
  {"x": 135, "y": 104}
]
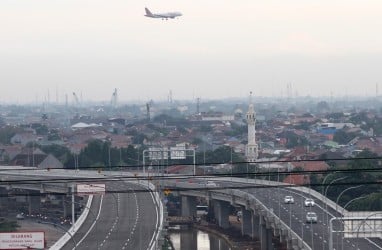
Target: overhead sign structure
[
  {"x": 363, "y": 224},
  {"x": 158, "y": 153},
  {"x": 95, "y": 188},
  {"x": 178, "y": 153},
  {"x": 22, "y": 240}
]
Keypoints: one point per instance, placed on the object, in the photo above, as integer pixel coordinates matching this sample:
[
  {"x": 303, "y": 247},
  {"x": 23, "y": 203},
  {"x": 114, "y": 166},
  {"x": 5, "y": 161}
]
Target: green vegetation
[
  {"x": 6, "y": 133},
  {"x": 101, "y": 154},
  {"x": 342, "y": 137},
  {"x": 8, "y": 225},
  {"x": 372, "y": 192}
]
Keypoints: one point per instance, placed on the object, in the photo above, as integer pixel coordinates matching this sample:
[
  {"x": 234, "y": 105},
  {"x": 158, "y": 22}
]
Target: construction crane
[
  {"x": 114, "y": 98},
  {"x": 148, "y": 111},
  {"x": 76, "y": 99}
]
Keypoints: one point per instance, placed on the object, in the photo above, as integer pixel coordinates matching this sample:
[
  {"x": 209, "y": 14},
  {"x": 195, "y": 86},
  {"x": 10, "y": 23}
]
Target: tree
[
  {"x": 6, "y": 133},
  {"x": 367, "y": 160},
  {"x": 342, "y": 137},
  {"x": 62, "y": 153}
]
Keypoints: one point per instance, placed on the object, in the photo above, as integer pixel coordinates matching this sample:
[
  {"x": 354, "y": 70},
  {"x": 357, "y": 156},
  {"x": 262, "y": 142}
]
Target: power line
[
  {"x": 215, "y": 163},
  {"x": 201, "y": 188},
  {"x": 180, "y": 177}
]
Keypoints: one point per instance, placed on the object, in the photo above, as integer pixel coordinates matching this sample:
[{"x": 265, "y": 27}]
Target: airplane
[{"x": 162, "y": 15}]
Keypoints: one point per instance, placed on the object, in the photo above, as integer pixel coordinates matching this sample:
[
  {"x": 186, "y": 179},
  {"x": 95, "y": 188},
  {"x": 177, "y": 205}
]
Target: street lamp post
[
  {"x": 338, "y": 198},
  {"x": 343, "y": 211},
  {"x": 326, "y": 199}
]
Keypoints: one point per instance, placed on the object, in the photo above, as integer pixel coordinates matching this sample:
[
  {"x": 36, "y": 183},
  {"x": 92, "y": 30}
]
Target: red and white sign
[
  {"x": 96, "y": 188},
  {"x": 22, "y": 240}
]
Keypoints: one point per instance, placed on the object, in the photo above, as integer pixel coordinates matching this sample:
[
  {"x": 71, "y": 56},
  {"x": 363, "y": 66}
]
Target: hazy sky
[{"x": 217, "y": 49}]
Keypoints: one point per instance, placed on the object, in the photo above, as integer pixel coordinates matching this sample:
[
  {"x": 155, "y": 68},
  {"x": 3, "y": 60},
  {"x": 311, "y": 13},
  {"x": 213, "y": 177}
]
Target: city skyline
[{"x": 215, "y": 50}]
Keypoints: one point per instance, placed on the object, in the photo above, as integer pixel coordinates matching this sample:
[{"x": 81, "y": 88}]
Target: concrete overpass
[
  {"x": 121, "y": 218},
  {"x": 265, "y": 216}
]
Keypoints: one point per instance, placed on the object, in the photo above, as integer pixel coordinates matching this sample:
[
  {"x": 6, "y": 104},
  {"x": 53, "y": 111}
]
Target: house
[
  {"x": 34, "y": 157},
  {"x": 297, "y": 179},
  {"x": 24, "y": 138}
]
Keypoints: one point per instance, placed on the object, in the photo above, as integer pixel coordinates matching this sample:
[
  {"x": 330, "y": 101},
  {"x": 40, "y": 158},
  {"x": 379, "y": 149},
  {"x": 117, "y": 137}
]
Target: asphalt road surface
[
  {"x": 126, "y": 219},
  {"x": 317, "y": 234}
]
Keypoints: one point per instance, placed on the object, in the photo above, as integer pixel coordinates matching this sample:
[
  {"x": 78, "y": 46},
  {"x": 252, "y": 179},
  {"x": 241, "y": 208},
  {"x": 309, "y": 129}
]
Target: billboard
[
  {"x": 94, "y": 188},
  {"x": 22, "y": 240},
  {"x": 178, "y": 153},
  {"x": 158, "y": 153}
]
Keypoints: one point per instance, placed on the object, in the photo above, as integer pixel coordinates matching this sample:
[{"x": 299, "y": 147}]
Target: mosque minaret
[{"x": 251, "y": 151}]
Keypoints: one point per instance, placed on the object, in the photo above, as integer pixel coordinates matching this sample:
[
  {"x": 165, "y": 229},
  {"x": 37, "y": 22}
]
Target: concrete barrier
[{"x": 68, "y": 235}]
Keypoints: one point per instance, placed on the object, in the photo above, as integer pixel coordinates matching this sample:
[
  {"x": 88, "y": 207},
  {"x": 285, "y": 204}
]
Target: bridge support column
[
  {"x": 263, "y": 233},
  {"x": 214, "y": 242},
  {"x": 269, "y": 237},
  {"x": 221, "y": 209},
  {"x": 246, "y": 223},
  {"x": 188, "y": 206},
  {"x": 188, "y": 240},
  {"x": 255, "y": 226},
  {"x": 3, "y": 202},
  {"x": 67, "y": 206},
  {"x": 34, "y": 202}
]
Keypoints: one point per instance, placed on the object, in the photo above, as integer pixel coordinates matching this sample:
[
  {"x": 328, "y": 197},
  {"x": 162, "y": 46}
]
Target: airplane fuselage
[{"x": 162, "y": 15}]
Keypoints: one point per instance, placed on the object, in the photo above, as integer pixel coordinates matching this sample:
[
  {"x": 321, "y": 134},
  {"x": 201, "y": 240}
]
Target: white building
[{"x": 252, "y": 147}]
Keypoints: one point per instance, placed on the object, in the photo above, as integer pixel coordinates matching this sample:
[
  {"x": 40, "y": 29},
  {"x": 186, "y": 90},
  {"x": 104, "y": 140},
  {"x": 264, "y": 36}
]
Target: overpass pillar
[
  {"x": 255, "y": 226},
  {"x": 67, "y": 206},
  {"x": 246, "y": 222},
  {"x": 214, "y": 242},
  {"x": 269, "y": 237},
  {"x": 34, "y": 202},
  {"x": 188, "y": 206},
  {"x": 263, "y": 233},
  {"x": 3, "y": 202},
  {"x": 188, "y": 240},
  {"x": 222, "y": 209}
]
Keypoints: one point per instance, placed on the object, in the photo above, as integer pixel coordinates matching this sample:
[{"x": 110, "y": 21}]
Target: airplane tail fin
[{"x": 148, "y": 13}]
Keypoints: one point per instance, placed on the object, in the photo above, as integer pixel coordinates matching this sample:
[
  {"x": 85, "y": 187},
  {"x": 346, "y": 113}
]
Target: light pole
[
  {"x": 323, "y": 182},
  {"x": 322, "y": 193},
  {"x": 343, "y": 211},
  {"x": 339, "y": 196},
  {"x": 109, "y": 158},
  {"x": 363, "y": 222},
  {"x": 358, "y": 198},
  {"x": 326, "y": 199}
]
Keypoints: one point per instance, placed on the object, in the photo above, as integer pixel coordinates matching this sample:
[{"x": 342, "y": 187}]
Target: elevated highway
[
  {"x": 265, "y": 215},
  {"x": 121, "y": 217},
  {"x": 129, "y": 215}
]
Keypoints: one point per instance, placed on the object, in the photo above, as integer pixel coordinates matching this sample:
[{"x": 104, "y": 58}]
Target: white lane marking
[
  {"x": 94, "y": 222},
  {"x": 372, "y": 242},
  {"x": 136, "y": 218},
  {"x": 157, "y": 222}
]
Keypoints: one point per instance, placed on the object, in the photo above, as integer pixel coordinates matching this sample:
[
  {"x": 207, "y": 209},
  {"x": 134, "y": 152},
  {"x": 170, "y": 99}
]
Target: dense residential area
[{"x": 299, "y": 141}]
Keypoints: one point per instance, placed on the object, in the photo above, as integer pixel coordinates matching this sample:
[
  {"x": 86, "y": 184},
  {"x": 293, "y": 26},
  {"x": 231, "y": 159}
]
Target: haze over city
[{"x": 217, "y": 49}]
